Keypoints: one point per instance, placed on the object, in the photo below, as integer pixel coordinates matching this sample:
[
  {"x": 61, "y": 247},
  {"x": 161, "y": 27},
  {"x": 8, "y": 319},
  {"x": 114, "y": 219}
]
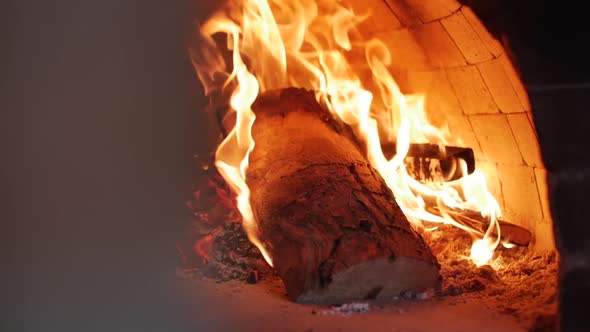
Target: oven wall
[{"x": 441, "y": 48}]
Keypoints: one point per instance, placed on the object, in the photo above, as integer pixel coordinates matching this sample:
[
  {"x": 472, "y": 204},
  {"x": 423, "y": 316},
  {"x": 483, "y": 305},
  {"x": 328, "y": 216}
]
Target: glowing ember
[
  {"x": 202, "y": 248},
  {"x": 277, "y": 44}
]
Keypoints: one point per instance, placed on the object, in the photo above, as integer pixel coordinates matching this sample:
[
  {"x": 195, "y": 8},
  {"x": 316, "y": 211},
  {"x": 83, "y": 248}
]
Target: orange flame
[{"x": 308, "y": 43}]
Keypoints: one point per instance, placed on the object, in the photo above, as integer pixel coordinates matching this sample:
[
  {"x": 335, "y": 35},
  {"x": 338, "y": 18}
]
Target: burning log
[
  {"x": 326, "y": 217},
  {"x": 428, "y": 162},
  {"x": 509, "y": 232}
]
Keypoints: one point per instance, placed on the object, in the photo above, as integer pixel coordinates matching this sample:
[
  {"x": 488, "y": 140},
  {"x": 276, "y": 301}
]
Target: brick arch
[{"x": 441, "y": 48}]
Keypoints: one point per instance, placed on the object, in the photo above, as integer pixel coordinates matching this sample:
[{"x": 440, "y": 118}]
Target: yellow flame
[
  {"x": 308, "y": 43},
  {"x": 481, "y": 252}
]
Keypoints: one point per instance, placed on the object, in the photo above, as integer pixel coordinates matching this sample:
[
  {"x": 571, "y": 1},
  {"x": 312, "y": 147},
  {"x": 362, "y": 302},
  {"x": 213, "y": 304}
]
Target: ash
[
  {"x": 518, "y": 282},
  {"x": 347, "y": 309}
]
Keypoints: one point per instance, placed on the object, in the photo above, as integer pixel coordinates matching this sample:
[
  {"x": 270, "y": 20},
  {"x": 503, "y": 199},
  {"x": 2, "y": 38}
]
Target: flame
[{"x": 309, "y": 43}]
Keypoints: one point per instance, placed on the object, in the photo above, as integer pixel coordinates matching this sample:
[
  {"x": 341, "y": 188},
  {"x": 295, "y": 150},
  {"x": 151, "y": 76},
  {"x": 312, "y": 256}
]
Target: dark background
[{"x": 99, "y": 120}]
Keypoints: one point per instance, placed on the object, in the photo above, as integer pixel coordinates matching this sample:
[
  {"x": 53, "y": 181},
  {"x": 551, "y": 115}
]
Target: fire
[{"x": 280, "y": 43}]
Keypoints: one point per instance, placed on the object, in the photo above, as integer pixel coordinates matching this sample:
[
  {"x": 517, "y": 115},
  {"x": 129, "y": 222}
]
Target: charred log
[
  {"x": 430, "y": 162},
  {"x": 509, "y": 232}
]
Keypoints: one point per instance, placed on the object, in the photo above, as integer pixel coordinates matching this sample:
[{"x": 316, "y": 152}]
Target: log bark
[{"x": 327, "y": 218}]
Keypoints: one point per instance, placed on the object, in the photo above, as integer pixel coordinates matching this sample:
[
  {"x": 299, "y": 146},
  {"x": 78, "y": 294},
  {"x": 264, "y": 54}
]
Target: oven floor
[{"x": 237, "y": 306}]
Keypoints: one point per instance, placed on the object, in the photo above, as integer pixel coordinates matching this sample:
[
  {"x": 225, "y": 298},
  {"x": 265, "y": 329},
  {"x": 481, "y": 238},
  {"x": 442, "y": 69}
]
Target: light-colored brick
[
  {"x": 492, "y": 44},
  {"x": 381, "y": 18},
  {"x": 519, "y": 188},
  {"x": 441, "y": 49},
  {"x": 404, "y": 12},
  {"x": 431, "y": 10},
  {"x": 526, "y": 139},
  {"x": 468, "y": 41},
  {"x": 514, "y": 78},
  {"x": 405, "y": 50},
  {"x": 441, "y": 100},
  {"x": 543, "y": 237},
  {"x": 500, "y": 86},
  {"x": 541, "y": 177},
  {"x": 530, "y": 115},
  {"x": 492, "y": 180},
  {"x": 452, "y": 5},
  {"x": 495, "y": 136},
  {"x": 473, "y": 94},
  {"x": 462, "y": 134}
]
